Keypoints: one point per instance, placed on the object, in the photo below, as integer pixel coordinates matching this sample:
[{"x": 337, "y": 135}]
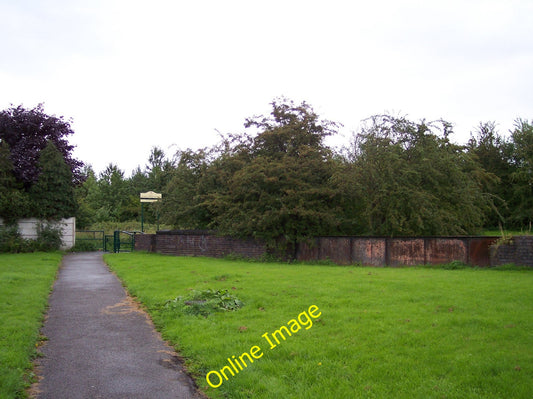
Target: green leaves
[
  {"x": 410, "y": 180},
  {"x": 53, "y": 193},
  {"x": 275, "y": 185}
]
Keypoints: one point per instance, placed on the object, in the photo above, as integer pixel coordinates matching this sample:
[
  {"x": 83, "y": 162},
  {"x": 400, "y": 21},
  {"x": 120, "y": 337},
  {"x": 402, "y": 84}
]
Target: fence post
[{"x": 116, "y": 241}]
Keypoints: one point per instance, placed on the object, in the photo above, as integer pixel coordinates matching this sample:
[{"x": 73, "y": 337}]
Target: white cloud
[{"x": 136, "y": 74}]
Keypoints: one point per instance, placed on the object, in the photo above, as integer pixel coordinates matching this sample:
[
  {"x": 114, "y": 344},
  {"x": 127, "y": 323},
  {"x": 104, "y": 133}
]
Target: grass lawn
[
  {"x": 378, "y": 332},
  {"x": 25, "y": 283}
]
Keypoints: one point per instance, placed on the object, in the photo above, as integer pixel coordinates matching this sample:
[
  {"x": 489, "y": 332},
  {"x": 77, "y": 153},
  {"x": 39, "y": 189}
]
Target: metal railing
[{"x": 92, "y": 239}]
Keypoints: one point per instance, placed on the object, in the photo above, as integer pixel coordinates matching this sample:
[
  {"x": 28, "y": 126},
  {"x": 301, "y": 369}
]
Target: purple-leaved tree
[{"x": 27, "y": 132}]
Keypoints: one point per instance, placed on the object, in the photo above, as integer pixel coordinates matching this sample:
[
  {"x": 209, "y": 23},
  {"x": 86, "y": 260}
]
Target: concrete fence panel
[{"x": 28, "y": 229}]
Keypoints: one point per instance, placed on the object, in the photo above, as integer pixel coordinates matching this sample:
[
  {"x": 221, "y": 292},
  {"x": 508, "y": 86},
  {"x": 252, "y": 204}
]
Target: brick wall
[
  {"x": 198, "y": 243},
  {"x": 403, "y": 251},
  {"x": 372, "y": 251},
  {"x": 519, "y": 250}
]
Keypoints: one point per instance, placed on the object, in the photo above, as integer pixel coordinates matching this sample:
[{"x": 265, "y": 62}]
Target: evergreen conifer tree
[{"x": 53, "y": 194}]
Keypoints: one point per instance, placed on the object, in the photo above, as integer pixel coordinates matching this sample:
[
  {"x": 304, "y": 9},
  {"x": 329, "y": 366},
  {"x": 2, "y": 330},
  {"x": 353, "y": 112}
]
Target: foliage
[
  {"x": 28, "y": 131},
  {"x": 110, "y": 197},
  {"x": 275, "y": 185},
  {"x": 86, "y": 195},
  {"x": 522, "y": 177},
  {"x": 14, "y": 202},
  {"x": 204, "y": 302},
  {"x": 52, "y": 195},
  {"x": 280, "y": 182},
  {"x": 11, "y": 241},
  {"x": 510, "y": 160},
  {"x": 194, "y": 179},
  {"x": 49, "y": 239},
  {"x": 37, "y": 170},
  {"x": 493, "y": 152},
  {"x": 407, "y": 178}
]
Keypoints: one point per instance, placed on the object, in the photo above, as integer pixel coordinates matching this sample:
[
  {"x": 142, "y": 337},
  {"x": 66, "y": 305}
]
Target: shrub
[
  {"x": 49, "y": 237},
  {"x": 11, "y": 240}
]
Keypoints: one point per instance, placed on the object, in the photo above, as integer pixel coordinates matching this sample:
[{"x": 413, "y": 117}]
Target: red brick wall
[
  {"x": 198, "y": 243},
  {"x": 517, "y": 250},
  {"x": 381, "y": 251},
  {"x": 372, "y": 251}
]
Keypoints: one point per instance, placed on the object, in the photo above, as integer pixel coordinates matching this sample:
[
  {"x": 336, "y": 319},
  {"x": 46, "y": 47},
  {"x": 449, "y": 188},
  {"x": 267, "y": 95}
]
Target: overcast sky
[{"x": 171, "y": 73}]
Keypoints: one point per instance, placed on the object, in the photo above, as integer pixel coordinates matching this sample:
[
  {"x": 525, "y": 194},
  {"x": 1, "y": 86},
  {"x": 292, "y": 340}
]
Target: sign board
[{"x": 150, "y": 196}]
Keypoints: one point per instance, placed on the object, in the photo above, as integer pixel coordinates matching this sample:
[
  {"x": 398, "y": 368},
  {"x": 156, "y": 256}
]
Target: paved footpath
[{"x": 100, "y": 344}]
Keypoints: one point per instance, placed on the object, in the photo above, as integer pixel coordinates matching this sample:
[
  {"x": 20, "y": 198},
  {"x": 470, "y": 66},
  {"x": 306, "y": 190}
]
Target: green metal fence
[
  {"x": 119, "y": 241},
  {"x": 91, "y": 239}
]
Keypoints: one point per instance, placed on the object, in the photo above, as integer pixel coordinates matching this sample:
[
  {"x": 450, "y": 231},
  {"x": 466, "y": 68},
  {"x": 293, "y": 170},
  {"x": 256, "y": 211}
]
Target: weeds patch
[{"x": 205, "y": 302}]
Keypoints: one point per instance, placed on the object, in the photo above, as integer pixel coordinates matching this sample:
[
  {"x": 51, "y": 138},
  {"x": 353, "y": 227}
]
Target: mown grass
[
  {"x": 382, "y": 332},
  {"x": 25, "y": 283}
]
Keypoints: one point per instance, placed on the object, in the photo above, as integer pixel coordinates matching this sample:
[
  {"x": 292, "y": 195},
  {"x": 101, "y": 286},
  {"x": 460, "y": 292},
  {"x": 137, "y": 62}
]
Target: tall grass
[
  {"x": 382, "y": 332},
  {"x": 25, "y": 282}
]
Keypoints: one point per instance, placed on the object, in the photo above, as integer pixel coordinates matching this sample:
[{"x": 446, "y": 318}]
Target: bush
[
  {"x": 11, "y": 240},
  {"x": 49, "y": 237}
]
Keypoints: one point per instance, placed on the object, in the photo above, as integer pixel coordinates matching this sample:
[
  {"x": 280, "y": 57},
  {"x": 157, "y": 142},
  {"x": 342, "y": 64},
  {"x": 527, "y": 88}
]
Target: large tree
[
  {"x": 407, "y": 178},
  {"x": 275, "y": 183},
  {"x": 27, "y": 132}
]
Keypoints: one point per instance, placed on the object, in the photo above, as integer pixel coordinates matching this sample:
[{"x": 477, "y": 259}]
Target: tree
[
  {"x": 27, "y": 133},
  {"x": 522, "y": 177},
  {"x": 276, "y": 185},
  {"x": 113, "y": 195},
  {"x": 87, "y": 198},
  {"x": 158, "y": 170},
  {"x": 407, "y": 178},
  {"x": 52, "y": 195},
  {"x": 190, "y": 184},
  {"x": 493, "y": 152},
  {"x": 14, "y": 202}
]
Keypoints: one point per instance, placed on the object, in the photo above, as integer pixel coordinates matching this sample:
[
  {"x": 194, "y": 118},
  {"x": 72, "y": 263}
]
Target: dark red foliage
[{"x": 27, "y": 132}]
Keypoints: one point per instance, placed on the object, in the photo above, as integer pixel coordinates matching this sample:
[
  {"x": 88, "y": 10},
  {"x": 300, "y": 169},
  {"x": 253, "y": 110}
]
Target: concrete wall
[
  {"x": 371, "y": 251},
  {"x": 28, "y": 230}
]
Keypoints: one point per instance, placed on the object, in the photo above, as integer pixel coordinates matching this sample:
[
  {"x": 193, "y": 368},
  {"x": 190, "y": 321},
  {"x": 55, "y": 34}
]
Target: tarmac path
[{"x": 100, "y": 344}]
